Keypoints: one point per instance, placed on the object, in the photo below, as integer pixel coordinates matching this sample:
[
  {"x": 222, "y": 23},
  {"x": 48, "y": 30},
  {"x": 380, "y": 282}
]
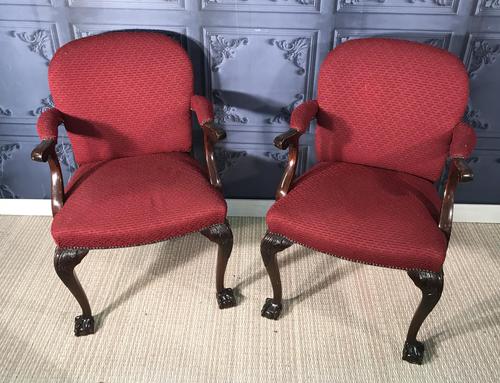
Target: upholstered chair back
[
  {"x": 390, "y": 104},
  {"x": 123, "y": 94}
]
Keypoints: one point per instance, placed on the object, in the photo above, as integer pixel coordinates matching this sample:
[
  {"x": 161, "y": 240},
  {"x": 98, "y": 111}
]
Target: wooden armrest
[
  {"x": 215, "y": 134},
  {"x": 459, "y": 171},
  {"x": 212, "y": 134},
  {"x": 283, "y": 140},
  {"x": 464, "y": 171},
  {"x": 45, "y": 151},
  {"x": 290, "y": 140}
]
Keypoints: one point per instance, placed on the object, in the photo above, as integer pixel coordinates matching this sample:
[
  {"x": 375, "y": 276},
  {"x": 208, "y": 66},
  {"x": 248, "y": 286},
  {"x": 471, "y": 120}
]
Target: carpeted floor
[{"x": 158, "y": 321}]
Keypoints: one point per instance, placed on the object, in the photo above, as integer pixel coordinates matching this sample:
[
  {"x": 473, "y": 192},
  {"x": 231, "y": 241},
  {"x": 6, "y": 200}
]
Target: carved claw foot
[
  {"x": 271, "y": 310},
  {"x": 84, "y": 325},
  {"x": 413, "y": 352},
  {"x": 226, "y": 299}
]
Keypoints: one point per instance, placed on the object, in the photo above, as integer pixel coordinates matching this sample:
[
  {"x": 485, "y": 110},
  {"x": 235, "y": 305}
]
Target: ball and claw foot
[
  {"x": 226, "y": 299},
  {"x": 271, "y": 310},
  {"x": 413, "y": 352},
  {"x": 84, "y": 325}
]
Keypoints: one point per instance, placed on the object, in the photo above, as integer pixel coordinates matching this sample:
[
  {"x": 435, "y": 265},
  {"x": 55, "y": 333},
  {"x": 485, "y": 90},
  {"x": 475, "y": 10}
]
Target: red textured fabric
[
  {"x": 123, "y": 94},
  {"x": 48, "y": 122},
  {"x": 463, "y": 141},
  {"x": 203, "y": 109},
  {"x": 302, "y": 115},
  {"x": 391, "y": 104},
  {"x": 133, "y": 201},
  {"x": 364, "y": 214}
]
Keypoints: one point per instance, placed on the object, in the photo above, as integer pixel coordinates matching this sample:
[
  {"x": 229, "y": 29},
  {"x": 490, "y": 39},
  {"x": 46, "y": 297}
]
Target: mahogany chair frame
[
  {"x": 430, "y": 283},
  {"x": 66, "y": 259}
]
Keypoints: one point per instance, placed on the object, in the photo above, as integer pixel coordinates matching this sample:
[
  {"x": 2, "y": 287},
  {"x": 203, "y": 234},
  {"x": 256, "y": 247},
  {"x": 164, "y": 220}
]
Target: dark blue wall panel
[{"x": 256, "y": 59}]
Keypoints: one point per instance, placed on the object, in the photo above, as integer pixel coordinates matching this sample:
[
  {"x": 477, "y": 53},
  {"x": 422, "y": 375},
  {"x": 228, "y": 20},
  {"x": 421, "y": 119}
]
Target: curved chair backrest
[
  {"x": 123, "y": 94},
  {"x": 391, "y": 104}
]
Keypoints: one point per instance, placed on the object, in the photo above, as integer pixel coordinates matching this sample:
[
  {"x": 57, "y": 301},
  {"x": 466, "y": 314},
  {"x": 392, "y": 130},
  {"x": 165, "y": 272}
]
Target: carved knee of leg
[{"x": 220, "y": 234}]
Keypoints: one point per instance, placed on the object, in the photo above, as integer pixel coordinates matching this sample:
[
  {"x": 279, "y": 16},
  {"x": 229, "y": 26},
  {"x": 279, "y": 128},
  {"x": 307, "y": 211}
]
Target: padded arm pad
[
  {"x": 203, "y": 109},
  {"x": 47, "y": 124},
  {"x": 303, "y": 114},
  {"x": 463, "y": 141}
]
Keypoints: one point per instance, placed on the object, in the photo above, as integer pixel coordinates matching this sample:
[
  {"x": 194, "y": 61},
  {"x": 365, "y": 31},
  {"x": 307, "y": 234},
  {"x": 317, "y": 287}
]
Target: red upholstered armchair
[
  {"x": 388, "y": 117},
  {"x": 125, "y": 99}
]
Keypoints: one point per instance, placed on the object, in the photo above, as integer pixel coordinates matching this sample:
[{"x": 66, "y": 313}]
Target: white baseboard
[
  {"x": 25, "y": 207},
  {"x": 236, "y": 207},
  {"x": 476, "y": 213},
  {"x": 251, "y": 208}
]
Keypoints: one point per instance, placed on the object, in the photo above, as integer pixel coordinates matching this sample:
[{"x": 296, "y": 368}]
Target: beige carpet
[{"x": 158, "y": 322}]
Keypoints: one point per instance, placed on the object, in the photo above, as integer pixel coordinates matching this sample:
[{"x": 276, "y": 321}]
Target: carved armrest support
[
  {"x": 459, "y": 171},
  {"x": 205, "y": 114},
  {"x": 300, "y": 120},
  {"x": 284, "y": 140},
  {"x": 290, "y": 140},
  {"x": 45, "y": 151},
  {"x": 211, "y": 135}
]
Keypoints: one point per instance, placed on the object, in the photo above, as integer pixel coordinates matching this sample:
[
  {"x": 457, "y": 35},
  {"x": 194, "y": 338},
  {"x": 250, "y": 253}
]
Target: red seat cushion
[
  {"x": 365, "y": 214},
  {"x": 136, "y": 200}
]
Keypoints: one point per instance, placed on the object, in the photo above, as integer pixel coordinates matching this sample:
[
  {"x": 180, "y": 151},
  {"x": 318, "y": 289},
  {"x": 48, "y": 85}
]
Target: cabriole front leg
[
  {"x": 431, "y": 285},
  {"x": 223, "y": 236},
  {"x": 65, "y": 261},
  {"x": 271, "y": 245}
]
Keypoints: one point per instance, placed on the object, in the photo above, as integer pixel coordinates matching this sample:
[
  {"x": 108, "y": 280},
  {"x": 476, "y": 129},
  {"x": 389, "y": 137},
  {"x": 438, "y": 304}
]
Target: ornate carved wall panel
[
  {"x": 300, "y": 6},
  {"x": 84, "y": 30},
  {"x": 488, "y": 7},
  {"x": 26, "y": 2},
  {"x": 482, "y": 60},
  {"x": 399, "y": 6},
  {"x": 258, "y": 75},
  {"x": 22, "y": 178},
  {"x": 486, "y": 166},
  {"x": 256, "y": 60},
  {"x": 26, "y": 48},
  {"x": 255, "y": 159},
  {"x": 133, "y": 4},
  {"x": 440, "y": 39}
]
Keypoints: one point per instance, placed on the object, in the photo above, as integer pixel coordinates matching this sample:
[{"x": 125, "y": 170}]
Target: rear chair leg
[
  {"x": 65, "y": 260},
  {"x": 223, "y": 236},
  {"x": 271, "y": 245},
  {"x": 431, "y": 285}
]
